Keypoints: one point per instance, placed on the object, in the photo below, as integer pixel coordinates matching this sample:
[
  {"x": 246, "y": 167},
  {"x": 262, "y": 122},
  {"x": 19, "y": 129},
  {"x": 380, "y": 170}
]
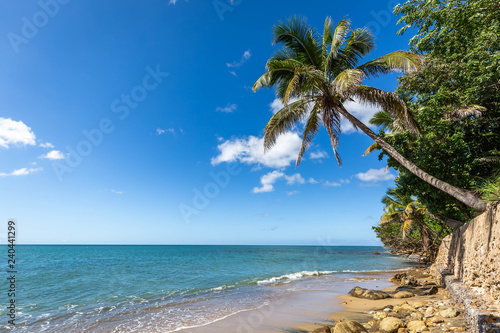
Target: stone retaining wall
[{"x": 468, "y": 264}]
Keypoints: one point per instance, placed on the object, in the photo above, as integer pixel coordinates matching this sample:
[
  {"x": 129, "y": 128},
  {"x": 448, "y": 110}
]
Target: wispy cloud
[
  {"x": 250, "y": 150},
  {"x": 244, "y": 58},
  {"x": 292, "y": 193},
  {"x": 268, "y": 180},
  {"x": 46, "y": 145},
  {"x": 53, "y": 155},
  {"x": 15, "y": 133},
  {"x": 318, "y": 154},
  {"x": 375, "y": 175},
  {"x": 332, "y": 184},
  {"x": 229, "y": 108},
  {"x": 20, "y": 172},
  {"x": 161, "y": 131},
  {"x": 117, "y": 192}
]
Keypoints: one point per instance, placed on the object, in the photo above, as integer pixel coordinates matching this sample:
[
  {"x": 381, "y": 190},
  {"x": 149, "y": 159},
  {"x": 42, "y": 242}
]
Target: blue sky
[{"x": 135, "y": 124}]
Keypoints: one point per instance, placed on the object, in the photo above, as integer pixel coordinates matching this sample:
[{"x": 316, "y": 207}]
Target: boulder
[
  {"x": 396, "y": 278},
  {"x": 420, "y": 304},
  {"x": 417, "y": 316},
  {"x": 368, "y": 293},
  {"x": 390, "y": 325},
  {"x": 435, "y": 320},
  {"x": 409, "y": 281},
  {"x": 403, "y": 294},
  {"x": 417, "y": 325},
  {"x": 449, "y": 313},
  {"x": 380, "y": 315},
  {"x": 349, "y": 327},
  {"x": 325, "y": 329}
]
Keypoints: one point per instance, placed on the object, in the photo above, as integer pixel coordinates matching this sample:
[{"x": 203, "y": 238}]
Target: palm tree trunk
[{"x": 458, "y": 193}]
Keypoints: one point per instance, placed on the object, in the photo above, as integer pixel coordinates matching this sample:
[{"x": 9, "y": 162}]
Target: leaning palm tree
[{"x": 321, "y": 73}]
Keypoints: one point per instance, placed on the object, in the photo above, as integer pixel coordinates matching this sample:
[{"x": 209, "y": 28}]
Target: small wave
[
  {"x": 294, "y": 276},
  {"x": 224, "y": 287}
]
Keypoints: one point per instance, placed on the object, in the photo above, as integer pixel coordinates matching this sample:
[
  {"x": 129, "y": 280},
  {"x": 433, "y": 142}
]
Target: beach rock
[
  {"x": 403, "y": 294},
  {"x": 430, "y": 310},
  {"x": 435, "y": 320},
  {"x": 420, "y": 304},
  {"x": 349, "y": 327},
  {"x": 368, "y": 293},
  {"x": 433, "y": 291},
  {"x": 325, "y": 329},
  {"x": 380, "y": 315},
  {"x": 449, "y": 313},
  {"x": 390, "y": 325},
  {"x": 416, "y": 325},
  {"x": 396, "y": 278},
  {"x": 409, "y": 281},
  {"x": 417, "y": 316}
]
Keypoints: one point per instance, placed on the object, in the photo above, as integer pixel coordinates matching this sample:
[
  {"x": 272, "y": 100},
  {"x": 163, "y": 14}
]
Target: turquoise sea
[{"x": 78, "y": 288}]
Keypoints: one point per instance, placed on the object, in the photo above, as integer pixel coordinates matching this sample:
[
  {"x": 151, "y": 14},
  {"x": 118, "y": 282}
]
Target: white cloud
[
  {"x": 46, "y": 145},
  {"x": 246, "y": 55},
  {"x": 292, "y": 192},
  {"x": 318, "y": 154},
  {"x": 332, "y": 184},
  {"x": 375, "y": 175},
  {"x": 268, "y": 181},
  {"x": 312, "y": 181},
  {"x": 15, "y": 133},
  {"x": 53, "y": 155},
  {"x": 161, "y": 131},
  {"x": 230, "y": 108},
  {"x": 295, "y": 179},
  {"x": 20, "y": 172},
  {"x": 233, "y": 73},
  {"x": 361, "y": 111},
  {"x": 344, "y": 181},
  {"x": 117, "y": 192},
  {"x": 251, "y": 151}
]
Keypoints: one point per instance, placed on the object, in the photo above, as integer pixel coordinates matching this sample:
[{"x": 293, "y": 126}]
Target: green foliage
[
  {"x": 490, "y": 190},
  {"x": 457, "y": 99}
]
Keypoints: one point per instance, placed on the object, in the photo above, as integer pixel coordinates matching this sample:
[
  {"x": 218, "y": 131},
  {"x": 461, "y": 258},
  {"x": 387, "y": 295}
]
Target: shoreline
[{"x": 299, "y": 310}]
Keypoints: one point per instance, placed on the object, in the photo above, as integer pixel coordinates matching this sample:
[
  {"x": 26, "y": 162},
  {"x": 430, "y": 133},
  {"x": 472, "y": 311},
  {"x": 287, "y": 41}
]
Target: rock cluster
[{"x": 429, "y": 314}]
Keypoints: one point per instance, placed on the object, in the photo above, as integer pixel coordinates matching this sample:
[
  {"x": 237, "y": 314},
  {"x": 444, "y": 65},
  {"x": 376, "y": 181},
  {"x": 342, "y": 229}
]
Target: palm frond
[
  {"x": 359, "y": 44},
  {"x": 284, "y": 120},
  {"x": 297, "y": 36},
  {"x": 388, "y": 101},
  {"x": 339, "y": 35},
  {"x": 327, "y": 35},
  {"x": 346, "y": 79},
  {"x": 398, "y": 61},
  {"x": 310, "y": 130},
  {"x": 470, "y": 111},
  {"x": 374, "y": 146}
]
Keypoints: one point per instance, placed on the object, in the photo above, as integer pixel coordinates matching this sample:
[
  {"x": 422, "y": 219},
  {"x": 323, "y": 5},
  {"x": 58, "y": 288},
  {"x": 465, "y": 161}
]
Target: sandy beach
[{"x": 363, "y": 311}]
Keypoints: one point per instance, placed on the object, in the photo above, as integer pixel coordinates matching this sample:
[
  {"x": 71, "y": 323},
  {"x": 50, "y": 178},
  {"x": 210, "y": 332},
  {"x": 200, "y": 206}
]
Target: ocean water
[{"x": 77, "y": 288}]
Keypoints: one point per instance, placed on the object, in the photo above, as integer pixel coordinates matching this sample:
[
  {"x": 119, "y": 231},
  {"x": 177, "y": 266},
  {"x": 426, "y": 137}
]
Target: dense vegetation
[{"x": 455, "y": 99}]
